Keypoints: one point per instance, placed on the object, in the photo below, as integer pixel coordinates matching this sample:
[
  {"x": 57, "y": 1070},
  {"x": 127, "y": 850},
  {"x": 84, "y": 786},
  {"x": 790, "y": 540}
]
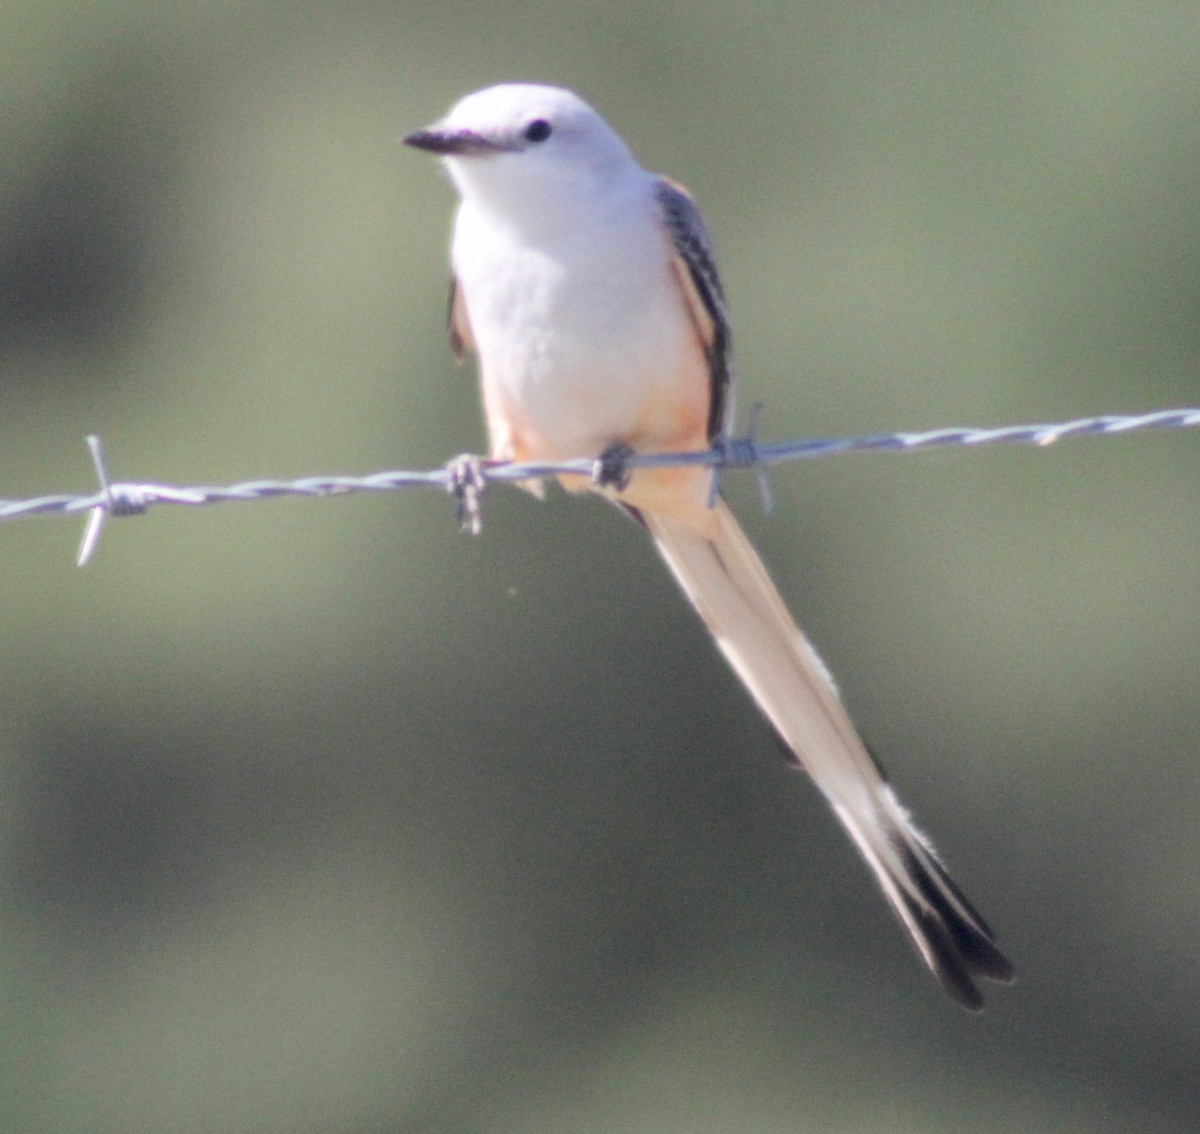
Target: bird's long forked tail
[{"x": 725, "y": 580}]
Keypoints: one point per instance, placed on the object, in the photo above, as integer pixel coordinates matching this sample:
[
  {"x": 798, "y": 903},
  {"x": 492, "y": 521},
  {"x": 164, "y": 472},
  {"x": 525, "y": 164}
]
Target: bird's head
[{"x": 526, "y": 146}]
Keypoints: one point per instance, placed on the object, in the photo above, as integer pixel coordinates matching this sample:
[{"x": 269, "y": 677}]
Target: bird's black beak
[{"x": 453, "y": 143}]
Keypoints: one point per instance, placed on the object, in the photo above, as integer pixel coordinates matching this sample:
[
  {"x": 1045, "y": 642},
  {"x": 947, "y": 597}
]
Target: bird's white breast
[{"x": 579, "y": 326}]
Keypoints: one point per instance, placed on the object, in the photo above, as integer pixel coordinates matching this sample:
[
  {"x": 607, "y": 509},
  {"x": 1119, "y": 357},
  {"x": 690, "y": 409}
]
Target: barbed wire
[{"x": 466, "y": 477}]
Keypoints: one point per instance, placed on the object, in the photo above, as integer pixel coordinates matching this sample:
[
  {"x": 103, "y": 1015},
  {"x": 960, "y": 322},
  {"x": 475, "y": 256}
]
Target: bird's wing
[
  {"x": 696, "y": 270},
  {"x": 457, "y": 324}
]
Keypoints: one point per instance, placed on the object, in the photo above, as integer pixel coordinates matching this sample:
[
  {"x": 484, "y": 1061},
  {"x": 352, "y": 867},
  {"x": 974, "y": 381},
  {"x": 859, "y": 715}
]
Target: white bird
[{"x": 587, "y": 287}]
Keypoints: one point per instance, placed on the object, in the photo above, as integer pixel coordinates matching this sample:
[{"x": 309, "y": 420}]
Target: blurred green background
[{"x": 318, "y": 816}]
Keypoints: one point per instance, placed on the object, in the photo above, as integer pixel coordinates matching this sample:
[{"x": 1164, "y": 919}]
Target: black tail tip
[{"x": 956, "y": 942}]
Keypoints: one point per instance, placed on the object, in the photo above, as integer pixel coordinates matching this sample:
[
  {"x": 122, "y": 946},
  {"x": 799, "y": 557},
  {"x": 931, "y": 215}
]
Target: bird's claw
[{"x": 611, "y": 468}]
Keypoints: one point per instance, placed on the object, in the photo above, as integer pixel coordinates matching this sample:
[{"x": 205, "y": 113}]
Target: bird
[{"x": 588, "y": 290}]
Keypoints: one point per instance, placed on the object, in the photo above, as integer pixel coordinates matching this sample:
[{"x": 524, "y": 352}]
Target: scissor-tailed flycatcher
[{"x": 587, "y": 288}]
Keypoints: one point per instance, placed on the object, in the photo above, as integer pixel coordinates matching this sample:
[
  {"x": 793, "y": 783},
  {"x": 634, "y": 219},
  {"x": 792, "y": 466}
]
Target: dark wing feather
[
  {"x": 706, "y": 298},
  {"x": 456, "y": 322}
]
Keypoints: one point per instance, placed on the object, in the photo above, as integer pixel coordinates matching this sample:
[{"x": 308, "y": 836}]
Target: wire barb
[
  {"x": 743, "y": 453},
  {"x": 465, "y": 481},
  {"x": 113, "y": 500},
  {"x": 756, "y": 462},
  {"x": 91, "y": 531}
]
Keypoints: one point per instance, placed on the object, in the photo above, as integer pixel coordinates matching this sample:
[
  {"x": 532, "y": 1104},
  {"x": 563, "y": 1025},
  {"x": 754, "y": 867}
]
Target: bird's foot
[{"x": 611, "y": 468}]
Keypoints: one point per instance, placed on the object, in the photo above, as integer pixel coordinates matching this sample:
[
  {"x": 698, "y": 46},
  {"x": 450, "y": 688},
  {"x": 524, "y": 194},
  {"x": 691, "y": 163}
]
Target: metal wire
[{"x": 465, "y": 477}]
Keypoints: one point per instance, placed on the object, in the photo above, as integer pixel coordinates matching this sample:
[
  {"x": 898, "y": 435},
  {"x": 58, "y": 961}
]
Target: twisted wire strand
[{"x": 465, "y": 477}]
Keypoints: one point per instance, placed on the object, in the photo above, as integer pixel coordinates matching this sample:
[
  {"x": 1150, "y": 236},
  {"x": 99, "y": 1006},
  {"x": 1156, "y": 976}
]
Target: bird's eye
[{"x": 537, "y": 131}]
